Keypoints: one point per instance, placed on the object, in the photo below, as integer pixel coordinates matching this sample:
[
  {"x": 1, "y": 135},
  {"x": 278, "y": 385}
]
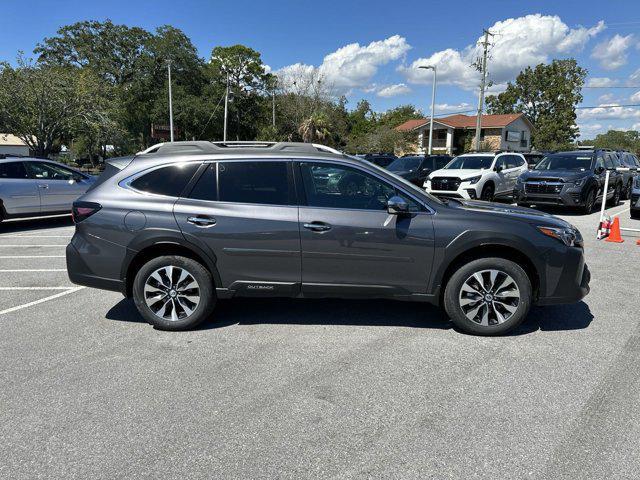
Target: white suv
[{"x": 477, "y": 176}]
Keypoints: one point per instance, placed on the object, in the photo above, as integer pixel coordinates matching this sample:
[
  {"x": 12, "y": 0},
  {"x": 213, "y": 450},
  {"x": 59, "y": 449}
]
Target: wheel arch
[
  {"x": 166, "y": 247},
  {"x": 498, "y": 250}
]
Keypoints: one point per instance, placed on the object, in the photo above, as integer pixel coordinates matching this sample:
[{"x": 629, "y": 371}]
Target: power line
[
  {"x": 630, "y": 105},
  {"x": 617, "y": 86}
]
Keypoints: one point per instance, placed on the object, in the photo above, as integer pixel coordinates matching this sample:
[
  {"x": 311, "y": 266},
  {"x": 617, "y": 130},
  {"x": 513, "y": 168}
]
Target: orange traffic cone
[
  {"x": 637, "y": 242},
  {"x": 615, "y": 236}
]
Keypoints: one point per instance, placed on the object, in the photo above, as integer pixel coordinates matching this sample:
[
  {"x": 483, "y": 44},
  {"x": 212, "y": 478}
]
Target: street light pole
[
  {"x": 170, "y": 102},
  {"x": 433, "y": 103},
  {"x": 226, "y": 110}
]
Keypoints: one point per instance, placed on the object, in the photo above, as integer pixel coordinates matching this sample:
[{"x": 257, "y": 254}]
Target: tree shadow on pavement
[
  {"x": 283, "y": 311},
  {"x": 27, "y": 225}
]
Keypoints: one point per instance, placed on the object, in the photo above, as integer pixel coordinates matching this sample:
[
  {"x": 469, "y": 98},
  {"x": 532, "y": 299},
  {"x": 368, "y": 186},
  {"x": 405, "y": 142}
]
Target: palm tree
[{"x": 314, "y": 129}]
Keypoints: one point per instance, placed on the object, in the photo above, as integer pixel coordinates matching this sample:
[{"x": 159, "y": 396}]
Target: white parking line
[
  {"x": 32, "y": 256},
  {"x": 34, "y": 270},
  {"x": 67, "y": 291},
  {"x": 625, "y": 210}
]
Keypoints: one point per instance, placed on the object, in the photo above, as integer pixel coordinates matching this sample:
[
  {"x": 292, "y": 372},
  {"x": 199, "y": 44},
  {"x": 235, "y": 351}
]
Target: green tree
[
  {"x": 617, "y": 140},
  {"x": 44, "y": 105},
  {"x": 548, "y": 95}
]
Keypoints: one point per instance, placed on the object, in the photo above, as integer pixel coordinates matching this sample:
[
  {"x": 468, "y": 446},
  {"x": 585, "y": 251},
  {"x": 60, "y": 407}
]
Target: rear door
[
  {"x": 243, "y": 212},
  {"x": 59, "y": 186},
  {"x": 503, "y": 175},
  {"x": 516, "y": 165},
  {"x": 351, "y": 246},
  {"x": 18, "y": 193}
]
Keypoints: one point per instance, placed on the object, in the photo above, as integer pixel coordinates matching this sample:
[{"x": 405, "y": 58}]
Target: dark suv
[
  {"x": 416, "y": 168},
  {"x": 571, "y": 179},
  {"x": 187, "y": 223}
]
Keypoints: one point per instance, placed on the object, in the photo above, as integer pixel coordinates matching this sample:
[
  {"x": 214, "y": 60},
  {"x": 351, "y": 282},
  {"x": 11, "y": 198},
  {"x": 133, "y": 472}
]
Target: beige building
[
  {"x": 499, "y": 132},
  {"x": 12, "y": 145}
]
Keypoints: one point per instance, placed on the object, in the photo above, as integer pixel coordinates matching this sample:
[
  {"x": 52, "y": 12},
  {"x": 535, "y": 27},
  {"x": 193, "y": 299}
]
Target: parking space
[{"x": 315, "y": 388}]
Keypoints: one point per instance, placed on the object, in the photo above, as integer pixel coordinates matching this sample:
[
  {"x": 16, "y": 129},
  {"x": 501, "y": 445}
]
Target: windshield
[
  {"x": 405, "y": 163},
  {"x": 472, "y": 162},
  {"x": 565, "y": 161}
]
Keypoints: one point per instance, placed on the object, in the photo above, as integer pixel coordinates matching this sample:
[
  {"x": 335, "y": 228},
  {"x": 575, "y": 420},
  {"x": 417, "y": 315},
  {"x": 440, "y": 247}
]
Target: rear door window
[
  {"x": 13, "y": 170},
  {"x": 260, "y": 182},
  {"x": 170, "y": 180}
]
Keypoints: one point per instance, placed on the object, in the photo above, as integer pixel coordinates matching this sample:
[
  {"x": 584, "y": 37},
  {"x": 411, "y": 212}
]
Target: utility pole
[
  {"x": 170, "y": 102},
  {"x": 226, "y": 110},
  {"x": 433, "y": 103},
  {"x": 273, "y": 108},
  {"x": 483, "y": 82}
]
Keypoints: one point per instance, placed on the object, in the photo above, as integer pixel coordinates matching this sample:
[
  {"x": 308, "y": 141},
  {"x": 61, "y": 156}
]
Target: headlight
[
  {"x": 580, "y": 182},
  {"x": 637, "y": 181},
  {"x": 473, "y": 180},
  {"x": 569, "y": 236}
]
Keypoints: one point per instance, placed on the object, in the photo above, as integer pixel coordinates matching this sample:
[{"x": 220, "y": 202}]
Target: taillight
[{"x": 83, "y": 210}]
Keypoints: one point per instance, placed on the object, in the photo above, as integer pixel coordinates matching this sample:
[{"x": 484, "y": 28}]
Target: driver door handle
[
  {"x": 202, "y": 221},
  {"x": 317, "y": 226}
]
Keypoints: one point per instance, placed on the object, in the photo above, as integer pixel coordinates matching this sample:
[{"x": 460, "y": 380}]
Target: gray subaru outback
[{"x": 183, "y": 224}]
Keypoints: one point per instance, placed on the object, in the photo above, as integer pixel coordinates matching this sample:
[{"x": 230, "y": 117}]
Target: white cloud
[
  {"x": 605, "y": 112},
  {"x": 448, "y": 107},
  {"x": 635, "y": 126},
  {"x": 394, "y": 90},
  {"x": 351, "y": 66},
  {"x": 600, "y": 82},
  {"x": 635, "y": 97},
  {"x": 590, "y": 129},
  {"x": 612, "y": 53},
  {"x": 518, "y": 42},
  {"x": 606, "y": 98}
]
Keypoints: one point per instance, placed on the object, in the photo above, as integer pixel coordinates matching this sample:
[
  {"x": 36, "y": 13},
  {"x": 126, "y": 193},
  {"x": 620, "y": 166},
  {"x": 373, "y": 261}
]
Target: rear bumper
[{"x": 81, "y": 274}]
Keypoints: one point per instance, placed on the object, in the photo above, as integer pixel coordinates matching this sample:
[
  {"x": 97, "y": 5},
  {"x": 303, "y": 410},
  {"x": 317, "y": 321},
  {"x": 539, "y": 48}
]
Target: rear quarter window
[{"x": 170, "y": 180}]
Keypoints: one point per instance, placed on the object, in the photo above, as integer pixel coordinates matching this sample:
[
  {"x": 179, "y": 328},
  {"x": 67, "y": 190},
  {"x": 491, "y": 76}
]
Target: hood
[
  {"x": 566, "y": 175},
  {"x": 528, "y": 215},
  {"x": 461, "y": 173}
]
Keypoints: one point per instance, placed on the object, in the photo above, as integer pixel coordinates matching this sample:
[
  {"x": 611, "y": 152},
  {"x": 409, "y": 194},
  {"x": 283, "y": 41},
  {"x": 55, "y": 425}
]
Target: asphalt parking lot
[{"x": 313, "y": 389}]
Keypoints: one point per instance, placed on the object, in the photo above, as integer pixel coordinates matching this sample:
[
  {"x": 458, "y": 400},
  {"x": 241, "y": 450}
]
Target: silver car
[{"x": 33, "y": 187}]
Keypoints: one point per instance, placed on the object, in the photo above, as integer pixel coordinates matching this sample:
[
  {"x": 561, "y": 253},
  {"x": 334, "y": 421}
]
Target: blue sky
[{"x": 372, "y": 50}]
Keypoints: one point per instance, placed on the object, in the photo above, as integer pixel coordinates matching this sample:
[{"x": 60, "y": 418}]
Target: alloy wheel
[
  {"x": 489, "y": 297},
  {"x": 171, "y": 293}
]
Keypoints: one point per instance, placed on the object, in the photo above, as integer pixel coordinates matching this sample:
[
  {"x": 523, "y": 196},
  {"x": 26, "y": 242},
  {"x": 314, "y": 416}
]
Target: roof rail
[{"x": 202, "y": 147}]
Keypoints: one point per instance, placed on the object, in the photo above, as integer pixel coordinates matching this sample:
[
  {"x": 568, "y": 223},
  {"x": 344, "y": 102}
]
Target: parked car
[
  {"x": 571, "y": 179},
  {"x": 533, "y": 158},
  {"x": 482, "y": 176},
  {"x": 192, "y": 222},
  {"x": 380, "y": 159},
  {"x": 635, "y": 199},
  {"x": 415, "y": 168},
  {"x": 34, "y": 187},
  {"x": 628, "y": 167}
]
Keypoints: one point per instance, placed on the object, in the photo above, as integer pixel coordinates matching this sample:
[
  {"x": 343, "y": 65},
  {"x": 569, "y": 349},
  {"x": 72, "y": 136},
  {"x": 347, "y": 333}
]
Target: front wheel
[
  {"x": 488, "y": 296},
  {"x": 488, "y": 193},
  {"x": 626, "y": 194},
  {"x": 174, "y": 293},
  {"x": 589, "y": 202}
]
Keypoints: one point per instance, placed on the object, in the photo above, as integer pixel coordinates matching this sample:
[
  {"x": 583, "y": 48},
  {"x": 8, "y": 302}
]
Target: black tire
[
  {"x": 488, "y": 193},
  {"x": 635, "y": 214},
  {"x": 453, "y": 292},
  {"x": 206, "y": 292},
  {"x": 626, "y": 193},
  {"x": 590, "y": 201},
  {"x": 617, "y": 193}
]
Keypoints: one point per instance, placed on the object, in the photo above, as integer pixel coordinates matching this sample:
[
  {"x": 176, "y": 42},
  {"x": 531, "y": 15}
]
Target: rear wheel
[
  {"x": 174, "y": 293},
  {"x": 615, "y": 200},
  {"x": 626, "y": 193},
  {"x": 488, "y": 192},
  {"x": 488, "y": 296}
]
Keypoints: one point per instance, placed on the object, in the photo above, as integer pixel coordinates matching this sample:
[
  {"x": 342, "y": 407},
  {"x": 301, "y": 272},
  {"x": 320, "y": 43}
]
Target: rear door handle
[
  {"x": 317, "y": 226},
  {"x": 202, "y": 221},
  {"x": 43, "y": 186}
]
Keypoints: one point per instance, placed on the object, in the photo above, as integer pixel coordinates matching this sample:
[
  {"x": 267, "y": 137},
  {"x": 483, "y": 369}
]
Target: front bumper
[
  {"x": 568, "y": 196},
  {"x": 466, "y": 192},
  {"x": 567, "y": 279}
]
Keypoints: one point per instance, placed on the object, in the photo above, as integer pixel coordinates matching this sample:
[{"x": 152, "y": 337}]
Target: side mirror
[
  {"x": 599, "y": 170},
  {"x": 498, "y": 168},
  {"x": 397, "y": 206}
]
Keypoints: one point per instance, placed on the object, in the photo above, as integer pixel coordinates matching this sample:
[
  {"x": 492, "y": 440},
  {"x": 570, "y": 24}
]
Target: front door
[
  {"x": 59, "y": 187},
  {"x": 350, "y": 245},
  {"x": 18, "y": 192},
  {"x": 243, "y": 214}
]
